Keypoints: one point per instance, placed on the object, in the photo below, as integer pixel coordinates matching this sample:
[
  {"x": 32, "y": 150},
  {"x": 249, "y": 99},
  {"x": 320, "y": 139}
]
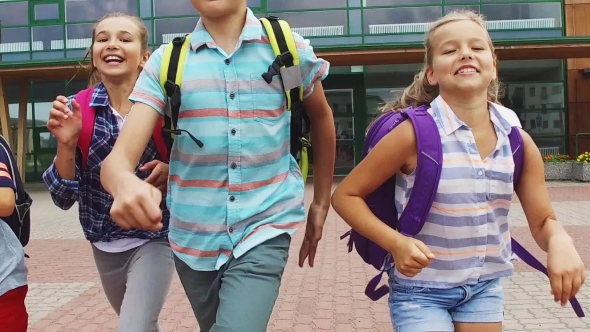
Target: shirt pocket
[{"x": 268, "y": 99}]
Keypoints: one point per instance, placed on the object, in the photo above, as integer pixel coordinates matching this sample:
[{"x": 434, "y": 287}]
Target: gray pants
[
  {"x": 136, "y": 283},
  {"x": 241, "y": 295}
]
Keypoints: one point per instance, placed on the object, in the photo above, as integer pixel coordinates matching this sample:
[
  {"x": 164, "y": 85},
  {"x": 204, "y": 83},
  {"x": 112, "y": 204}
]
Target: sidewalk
[{"x": 65, "y": 293}]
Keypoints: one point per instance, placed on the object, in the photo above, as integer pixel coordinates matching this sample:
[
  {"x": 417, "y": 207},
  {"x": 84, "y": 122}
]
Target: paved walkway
[{"x": 65, "y": 293}]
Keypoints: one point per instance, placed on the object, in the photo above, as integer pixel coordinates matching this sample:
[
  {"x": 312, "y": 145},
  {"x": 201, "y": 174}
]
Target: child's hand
[
  {"x": 565, "y": 268},
  {"x": 159, "y": 175},
  {"x": 411, "y": 256}
]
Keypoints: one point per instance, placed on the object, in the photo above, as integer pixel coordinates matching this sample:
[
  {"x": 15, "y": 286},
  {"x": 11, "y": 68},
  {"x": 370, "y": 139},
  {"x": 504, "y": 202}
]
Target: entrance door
[{"x": 345, "y": 95}]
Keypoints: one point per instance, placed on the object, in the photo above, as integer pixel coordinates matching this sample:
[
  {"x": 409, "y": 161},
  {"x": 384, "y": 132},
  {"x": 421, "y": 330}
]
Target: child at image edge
[
  {"x": 235, "y": 201},
  {"x": 440, "y": 281},
  {"x": 135, "y": 266}
]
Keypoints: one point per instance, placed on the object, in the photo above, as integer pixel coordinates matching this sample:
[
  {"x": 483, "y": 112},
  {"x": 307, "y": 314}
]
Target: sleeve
[
  {"x": 64, "y": 193},
  {"x": 5, "y": 175},
  {"x": 147, "y": 89},
  {"x": 313, "y": 69}
]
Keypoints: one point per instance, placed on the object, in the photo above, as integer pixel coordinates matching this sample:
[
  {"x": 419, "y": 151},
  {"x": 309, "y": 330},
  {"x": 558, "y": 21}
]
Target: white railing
[
  {"x": 320, "y": 31},
  {"x": 20, "y": 47},
  {"x": 549, "y": 151},
  {"x": 71, "y": 43},
  {"x": 535, "y": 23}
]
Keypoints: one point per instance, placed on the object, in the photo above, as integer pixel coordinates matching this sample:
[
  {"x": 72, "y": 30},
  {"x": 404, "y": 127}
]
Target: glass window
[
  {"x": 50, "y": 37},
  {"x": 400, "y": 20},
  {"x": 174, "y": 8},
  {"x": 91, "y": 10},
  {"x": 46, "y": 91},
  {"x": 76, "y": 85},
  {"x": 42, "y": 111},
  {"x": 534, "y": 96},
  {"x": 317, "y": 23},
  {"x": 531, "y": 70},
  {"x": 284, "y": 5},
  {"x": 47, "y": 141},
  {"x": 14, "y": 13},
  {"x": 543, "y": 15},
  {"x": 47, "y": 11},
  {"x": 254, "y": 3},
  {"x": 145, "y": 8},
  {"x": 449, "y": 9},
  {"x": 17, "y": 40},
  {"x": 370, "y": 3},
  {"x": 13, "y": 111},
  {"x": 78, "y": 36},
  {"x": 168, "y": 28},
  {"x": 461, "y": 1}
]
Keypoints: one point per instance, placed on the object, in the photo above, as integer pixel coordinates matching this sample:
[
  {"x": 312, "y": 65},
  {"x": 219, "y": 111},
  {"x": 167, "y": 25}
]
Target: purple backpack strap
[
  {"x": 381, "y": 202},
  {"x": 428, "y": 169},
  {"x": 516, "y": 143}
]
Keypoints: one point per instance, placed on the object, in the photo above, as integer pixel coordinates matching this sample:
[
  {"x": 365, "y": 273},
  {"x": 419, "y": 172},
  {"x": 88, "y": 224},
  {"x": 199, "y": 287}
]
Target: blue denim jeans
[{"x": 418, "y": 309}]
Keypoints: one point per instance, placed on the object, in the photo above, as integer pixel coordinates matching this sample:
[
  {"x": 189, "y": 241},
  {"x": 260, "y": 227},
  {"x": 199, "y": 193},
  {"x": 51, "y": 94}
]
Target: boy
[
  {"x": 13, "y": 271},
  {"x": 237, "y": 198}
]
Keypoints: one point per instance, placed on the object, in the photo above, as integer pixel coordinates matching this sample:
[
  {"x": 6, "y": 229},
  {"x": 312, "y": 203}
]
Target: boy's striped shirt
[{"x": 242, "y": 187}]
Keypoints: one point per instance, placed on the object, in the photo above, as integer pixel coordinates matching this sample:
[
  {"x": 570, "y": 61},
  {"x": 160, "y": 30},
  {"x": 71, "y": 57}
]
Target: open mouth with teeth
[
  {"x": 466, "y": 70},
  {"x": 113, "y": 59}
]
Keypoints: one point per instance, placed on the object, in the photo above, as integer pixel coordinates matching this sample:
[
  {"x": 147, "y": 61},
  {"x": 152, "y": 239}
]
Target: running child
[
  {"x": 447, "y": 278},
  {"x": 236, "y": 200},
  {"x": 135, "y": 266}
]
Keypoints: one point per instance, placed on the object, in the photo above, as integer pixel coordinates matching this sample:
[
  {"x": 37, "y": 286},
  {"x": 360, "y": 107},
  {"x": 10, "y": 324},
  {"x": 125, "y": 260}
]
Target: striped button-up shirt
[
  {"x": 93, "y": 201},
  {"x": 467, "y": 228},
  {"x": 242, "y": 187}
]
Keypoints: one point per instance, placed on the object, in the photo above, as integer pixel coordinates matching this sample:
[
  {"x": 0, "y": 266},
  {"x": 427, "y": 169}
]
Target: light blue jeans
[{"x": 418, "y": 309}]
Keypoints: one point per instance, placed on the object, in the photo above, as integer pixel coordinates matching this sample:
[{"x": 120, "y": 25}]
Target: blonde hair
[
  {"x": 94, "y": 76},
  {"x": 420, "y": 92}
]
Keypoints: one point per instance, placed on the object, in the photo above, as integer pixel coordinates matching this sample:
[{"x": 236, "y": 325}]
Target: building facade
[{"x": 375, "y": 47}]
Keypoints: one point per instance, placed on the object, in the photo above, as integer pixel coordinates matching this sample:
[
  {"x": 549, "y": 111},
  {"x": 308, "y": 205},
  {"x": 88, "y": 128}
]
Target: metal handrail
[{"x": 577, "y": 142}]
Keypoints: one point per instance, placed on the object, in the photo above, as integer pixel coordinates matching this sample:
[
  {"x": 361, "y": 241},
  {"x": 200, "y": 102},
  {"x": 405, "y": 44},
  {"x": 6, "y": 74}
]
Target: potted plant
[
  {"x": 558, "y": 167},
  {"x": 581, "y": 168}
]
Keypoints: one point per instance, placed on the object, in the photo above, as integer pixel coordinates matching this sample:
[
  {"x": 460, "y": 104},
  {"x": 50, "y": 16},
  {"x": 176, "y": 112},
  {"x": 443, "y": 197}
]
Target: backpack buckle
[
  {"x": 178, "y": 41},
  {"x": 173, "y": 92},
  {"x": 275, "y": 68}
]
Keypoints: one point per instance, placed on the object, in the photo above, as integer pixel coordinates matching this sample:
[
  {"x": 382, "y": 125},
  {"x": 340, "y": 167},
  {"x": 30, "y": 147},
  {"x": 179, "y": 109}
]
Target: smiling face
[
  {"x": 118, "y": 49},
  {"x": 461, "y": 58}
]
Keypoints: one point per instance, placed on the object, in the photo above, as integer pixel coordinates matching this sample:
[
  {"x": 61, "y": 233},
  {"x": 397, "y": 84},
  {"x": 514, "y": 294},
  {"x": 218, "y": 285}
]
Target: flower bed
[
  {"x": 581, "y": 168},
  {"x": 558, "y": 167}
]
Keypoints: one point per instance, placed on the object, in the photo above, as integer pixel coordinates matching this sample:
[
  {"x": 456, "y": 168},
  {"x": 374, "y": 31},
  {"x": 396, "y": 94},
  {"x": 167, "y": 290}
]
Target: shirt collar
[
  {"x": 502, "y": 117},
  {"x": 252, "y": 30},
  {"x": 100, "y": 96}
]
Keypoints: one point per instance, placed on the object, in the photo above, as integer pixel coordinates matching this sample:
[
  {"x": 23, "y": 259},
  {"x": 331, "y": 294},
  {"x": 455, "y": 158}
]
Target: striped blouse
[{"x": 467, "y": 228}]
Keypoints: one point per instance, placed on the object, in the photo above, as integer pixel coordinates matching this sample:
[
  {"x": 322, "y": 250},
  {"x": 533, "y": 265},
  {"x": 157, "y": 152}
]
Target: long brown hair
[
  {"x": 88, "y": 62},
  {"x": 420, "y": 92}
]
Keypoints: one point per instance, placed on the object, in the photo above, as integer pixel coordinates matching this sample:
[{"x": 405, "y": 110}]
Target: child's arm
[
  {"x": 323, "y": 139},
  {"x": 7, "y": 197},
  {"x": 393, "y": 152},
  {"x": 136, "y": 202},
  {"x": 566, "y": 269},
  {"x": 62, "y": 176}
]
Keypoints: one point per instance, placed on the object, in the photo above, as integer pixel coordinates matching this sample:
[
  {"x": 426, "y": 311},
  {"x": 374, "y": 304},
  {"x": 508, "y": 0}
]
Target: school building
[{"x": 374, "y": 46}]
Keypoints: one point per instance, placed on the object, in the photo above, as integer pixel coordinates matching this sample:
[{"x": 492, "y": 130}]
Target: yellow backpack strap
[
  {"x": 171, "y": 80},
  {"x": 286, "y": 65}
]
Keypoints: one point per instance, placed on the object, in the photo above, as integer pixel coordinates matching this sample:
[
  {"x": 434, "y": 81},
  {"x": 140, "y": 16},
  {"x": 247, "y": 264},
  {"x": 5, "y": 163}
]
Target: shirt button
[
  {"x": 480, "y": 173},
  {"x": 233, "y": 165},
  {"x": 227, "y": 61},
  {"x": 232, "y": 198},
  {"x": 233, "y": 131},
  {"x": 232, "y": 95},
  {"x": 231, "y": 229}
]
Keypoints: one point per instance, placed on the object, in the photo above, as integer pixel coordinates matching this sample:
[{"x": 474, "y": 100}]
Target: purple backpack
[{"x": 428, "y": 169}]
